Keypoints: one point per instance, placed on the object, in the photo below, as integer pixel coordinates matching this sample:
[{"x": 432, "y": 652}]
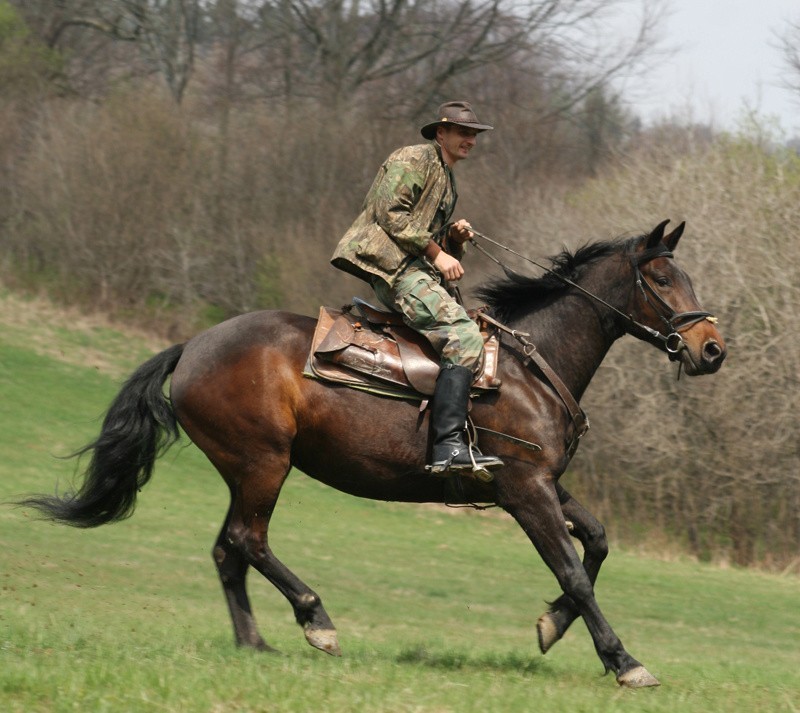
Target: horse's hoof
[
  {"x": 547, "y": 631},
  {"x": 324, "y": 640},
  {"x": 638, "y": 677}
]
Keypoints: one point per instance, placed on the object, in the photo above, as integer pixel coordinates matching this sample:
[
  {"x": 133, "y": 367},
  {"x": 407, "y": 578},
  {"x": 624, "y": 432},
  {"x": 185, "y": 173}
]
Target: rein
[
  {"x": 674, "y": 321},
  {"x": 673, "y": 342}
]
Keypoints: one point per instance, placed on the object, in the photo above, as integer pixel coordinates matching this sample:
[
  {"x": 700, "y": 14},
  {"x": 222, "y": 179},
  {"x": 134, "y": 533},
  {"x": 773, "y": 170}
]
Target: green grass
[{"x": 435, "y": 609}]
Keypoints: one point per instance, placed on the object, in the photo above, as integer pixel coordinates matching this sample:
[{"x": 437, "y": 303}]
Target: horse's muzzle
[{"x": 707, "y": 358}]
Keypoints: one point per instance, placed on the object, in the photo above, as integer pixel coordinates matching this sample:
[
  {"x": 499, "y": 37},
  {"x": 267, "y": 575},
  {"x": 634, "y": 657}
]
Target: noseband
[{"x": 675, "y": 322}]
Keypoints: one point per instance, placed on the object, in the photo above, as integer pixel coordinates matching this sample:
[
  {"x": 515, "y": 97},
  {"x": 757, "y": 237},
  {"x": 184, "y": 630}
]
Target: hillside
[{"x": 436, "y": 610}]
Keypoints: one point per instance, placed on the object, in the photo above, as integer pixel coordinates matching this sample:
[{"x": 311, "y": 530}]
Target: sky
[{"x": 725, "y": 58}]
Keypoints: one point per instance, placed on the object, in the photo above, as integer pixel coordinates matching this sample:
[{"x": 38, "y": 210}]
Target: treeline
[
  {"x": 182, "y": 157},
  {"x": 173, "y": 169},
  {"x": 165, "y": 157}
]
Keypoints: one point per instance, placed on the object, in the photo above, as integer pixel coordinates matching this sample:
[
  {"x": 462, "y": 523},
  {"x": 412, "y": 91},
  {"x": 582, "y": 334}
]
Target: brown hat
[{"x": 459, "y": 113}]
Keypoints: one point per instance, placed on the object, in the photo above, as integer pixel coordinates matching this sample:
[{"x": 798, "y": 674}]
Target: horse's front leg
[
  {"x": 535, "y": 505},
  {"x": 582, "y": 525}
]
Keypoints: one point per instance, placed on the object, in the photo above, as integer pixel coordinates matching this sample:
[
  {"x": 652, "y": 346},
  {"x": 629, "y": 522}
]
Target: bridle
[
  {"x": 673, "y": 343},
  {"x": 675, "y": 322}
]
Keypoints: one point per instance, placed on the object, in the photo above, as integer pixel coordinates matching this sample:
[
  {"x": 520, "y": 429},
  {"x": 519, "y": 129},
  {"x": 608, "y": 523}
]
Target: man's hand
[
  {"x": 460, "y": 231},
  {"x": 448, "y": 266}
]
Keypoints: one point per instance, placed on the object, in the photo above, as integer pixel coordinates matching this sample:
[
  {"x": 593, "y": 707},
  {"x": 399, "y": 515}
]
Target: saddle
[{"x": 369, "y": 349}]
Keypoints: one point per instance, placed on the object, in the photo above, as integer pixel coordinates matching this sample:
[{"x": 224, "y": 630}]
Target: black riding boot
[{"x": 448, "y": 420}]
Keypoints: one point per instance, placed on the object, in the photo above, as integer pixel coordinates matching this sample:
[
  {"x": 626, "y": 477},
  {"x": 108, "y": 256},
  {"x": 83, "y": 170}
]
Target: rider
[{"x": 401, "y": 243}]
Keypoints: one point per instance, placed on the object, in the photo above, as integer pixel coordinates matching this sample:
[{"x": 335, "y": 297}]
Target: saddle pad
[{"x": 388, "y": 359}]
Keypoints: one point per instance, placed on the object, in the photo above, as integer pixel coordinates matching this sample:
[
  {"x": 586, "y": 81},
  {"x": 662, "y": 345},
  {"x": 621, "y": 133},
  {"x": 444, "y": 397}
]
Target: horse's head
[{"x": 664, "y": 303}]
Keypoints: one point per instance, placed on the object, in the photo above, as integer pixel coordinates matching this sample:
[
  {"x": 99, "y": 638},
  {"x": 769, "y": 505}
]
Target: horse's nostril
[{"x": 712, "y": 352}]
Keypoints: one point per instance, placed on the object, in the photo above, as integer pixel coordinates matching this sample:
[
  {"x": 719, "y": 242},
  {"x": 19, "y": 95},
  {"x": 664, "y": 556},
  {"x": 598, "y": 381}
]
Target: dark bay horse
[{"x": 238, "y": 392}]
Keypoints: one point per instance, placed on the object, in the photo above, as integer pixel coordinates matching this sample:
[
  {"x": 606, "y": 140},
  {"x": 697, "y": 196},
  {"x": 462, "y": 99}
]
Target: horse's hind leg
[
  {"x": 244, "y": 539},
  {"x": 232, "y": 568},
  {"x": 553, "y": 624}
]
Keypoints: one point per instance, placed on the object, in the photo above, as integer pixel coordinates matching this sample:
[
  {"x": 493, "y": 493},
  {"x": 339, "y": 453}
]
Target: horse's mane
[{"x": 517, "y": 295}]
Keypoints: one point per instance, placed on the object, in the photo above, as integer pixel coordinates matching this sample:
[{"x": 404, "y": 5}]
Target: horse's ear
[
  {"x": 657, "y": 235},
  {"x": 671, "y": 241}
]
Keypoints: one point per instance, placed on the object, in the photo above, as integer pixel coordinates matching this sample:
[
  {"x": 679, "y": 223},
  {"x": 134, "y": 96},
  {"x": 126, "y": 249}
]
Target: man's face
[{"x": 456, "y": 142}]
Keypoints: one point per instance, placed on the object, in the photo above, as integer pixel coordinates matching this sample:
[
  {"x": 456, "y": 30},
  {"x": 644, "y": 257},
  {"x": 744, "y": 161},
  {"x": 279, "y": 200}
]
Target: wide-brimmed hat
[{"x": 458, "y": 113}]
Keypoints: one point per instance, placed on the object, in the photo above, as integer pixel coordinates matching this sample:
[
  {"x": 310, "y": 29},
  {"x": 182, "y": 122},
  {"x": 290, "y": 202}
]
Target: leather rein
[{"x": 675, "y": 322}]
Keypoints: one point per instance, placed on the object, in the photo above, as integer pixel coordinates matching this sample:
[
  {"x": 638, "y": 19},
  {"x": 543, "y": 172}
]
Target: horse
[{"x": 239, "y": 393}]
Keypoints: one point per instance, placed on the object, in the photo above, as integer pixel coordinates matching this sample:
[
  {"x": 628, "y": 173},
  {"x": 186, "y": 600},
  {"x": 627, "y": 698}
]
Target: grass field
[{"x": 435, "y": 609}]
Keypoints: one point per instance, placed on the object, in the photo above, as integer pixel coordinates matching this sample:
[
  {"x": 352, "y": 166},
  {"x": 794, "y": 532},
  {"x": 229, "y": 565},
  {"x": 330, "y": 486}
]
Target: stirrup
[
  {"x": 480, "y": 474},
  {"x": 444, "y": 469}
]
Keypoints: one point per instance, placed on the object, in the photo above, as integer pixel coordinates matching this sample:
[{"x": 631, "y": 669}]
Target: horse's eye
[{"x": 662, "y": 281}]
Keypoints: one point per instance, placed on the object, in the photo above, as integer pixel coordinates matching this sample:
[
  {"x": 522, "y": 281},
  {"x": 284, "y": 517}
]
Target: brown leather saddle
[{"x": 367, "y": 348}]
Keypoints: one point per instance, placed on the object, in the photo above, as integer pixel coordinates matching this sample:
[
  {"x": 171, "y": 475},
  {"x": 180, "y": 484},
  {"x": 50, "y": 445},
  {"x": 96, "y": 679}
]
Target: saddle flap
[
  {"x": 334, "y": 333},
  {"x": 420, "y": 361}
]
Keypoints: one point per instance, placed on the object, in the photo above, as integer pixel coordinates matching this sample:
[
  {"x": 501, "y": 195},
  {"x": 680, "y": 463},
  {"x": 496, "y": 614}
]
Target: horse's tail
[{"x": 138, "y": 427}]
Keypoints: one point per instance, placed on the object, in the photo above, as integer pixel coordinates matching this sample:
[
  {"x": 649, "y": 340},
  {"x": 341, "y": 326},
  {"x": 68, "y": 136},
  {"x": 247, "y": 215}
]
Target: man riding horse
[{"x": 404, "y": 244}]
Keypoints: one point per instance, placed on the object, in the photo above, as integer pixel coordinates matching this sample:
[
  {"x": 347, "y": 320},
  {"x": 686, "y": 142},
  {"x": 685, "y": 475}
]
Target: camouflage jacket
[{"x": 411, "y": 198}]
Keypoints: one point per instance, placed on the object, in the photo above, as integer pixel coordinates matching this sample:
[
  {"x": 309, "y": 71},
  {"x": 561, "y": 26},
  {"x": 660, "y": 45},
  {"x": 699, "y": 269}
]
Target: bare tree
[
  {"x": 789, "y": 44},
  {"x": 330, "y": 50},
  {"x": 166, "y": 31},
  {"x": 338, "y": 46},
  {"x": 169, "y": 29}
]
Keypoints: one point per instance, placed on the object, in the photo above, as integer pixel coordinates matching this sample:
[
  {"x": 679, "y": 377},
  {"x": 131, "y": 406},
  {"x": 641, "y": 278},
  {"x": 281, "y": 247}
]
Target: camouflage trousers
[{"x": 430, "y": 310}]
